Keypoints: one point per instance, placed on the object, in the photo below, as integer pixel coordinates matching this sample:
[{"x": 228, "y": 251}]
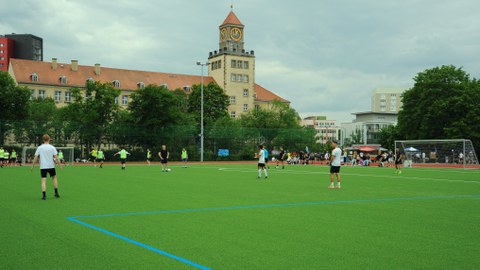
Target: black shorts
[
  {"x": 123, "y": 160},
  {"x": 164, "y": 161},
  {"x": 334, "y": 169},
  {"x": 51, "y": 172},
  {"x": 261, "y": 165},
  {"x": 266, "y": 160},
  {"x": 99, "y": 159},
  {"x": 398, "y": 162}
]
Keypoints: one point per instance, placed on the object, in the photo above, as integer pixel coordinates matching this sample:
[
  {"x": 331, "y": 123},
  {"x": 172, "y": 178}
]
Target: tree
[
  {"x": 388, "y": 136},
  {"x": 443, "y": 104},
  {"x": 91, "y": 112},
  {"x": 13, "y": 103},
  {"x": 42, "y": 113},
  {"x": 215, "y": 103}
]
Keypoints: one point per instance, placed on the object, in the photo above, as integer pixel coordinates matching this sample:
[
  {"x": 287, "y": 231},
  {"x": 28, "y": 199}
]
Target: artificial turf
[{"x": 223, "y": 217}]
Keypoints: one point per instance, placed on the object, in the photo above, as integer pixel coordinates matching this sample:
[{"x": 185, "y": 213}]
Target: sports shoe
[
  {"x": 331, "y": 186},
  {"x": 57, "y": 195},
  {"x": 339, "y": 187},
  {"x": 399, "y": 172},
  {"x": 44, "y": 198},
  {"x": 266, "y": 177}
]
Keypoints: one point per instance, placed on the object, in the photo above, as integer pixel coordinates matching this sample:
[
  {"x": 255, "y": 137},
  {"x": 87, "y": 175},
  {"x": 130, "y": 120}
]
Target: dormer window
[
  {"x": 116, "y": 83},
  {"x": 63, "y": 79},
  {"x": 164, "y": 85},
  {"x": 187, "y": 88},
  {"x": 90, "y": 80},
  {"x": 34, "y": 77},
  {"x": 141, "y": 85}
]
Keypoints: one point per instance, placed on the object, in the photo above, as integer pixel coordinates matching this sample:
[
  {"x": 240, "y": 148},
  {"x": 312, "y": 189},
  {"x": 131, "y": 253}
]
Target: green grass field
[{"x": 223, "y": 217}]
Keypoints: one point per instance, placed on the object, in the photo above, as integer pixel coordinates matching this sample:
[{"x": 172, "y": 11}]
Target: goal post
[
  {"x": 28, "y": 153},
  {"x": 452, "y": 153}
]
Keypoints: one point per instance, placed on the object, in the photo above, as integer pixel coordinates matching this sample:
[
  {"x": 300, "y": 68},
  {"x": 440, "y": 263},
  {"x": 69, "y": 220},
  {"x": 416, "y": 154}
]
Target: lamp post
[{"x": 201, "y": 109}]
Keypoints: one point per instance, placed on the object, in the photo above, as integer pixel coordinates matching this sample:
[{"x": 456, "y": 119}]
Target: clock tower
[{"x": 233, "y": 67}]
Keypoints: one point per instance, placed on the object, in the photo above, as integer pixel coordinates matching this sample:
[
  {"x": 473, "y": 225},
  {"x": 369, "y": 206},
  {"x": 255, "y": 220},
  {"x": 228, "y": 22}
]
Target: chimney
[
  {"x": 54, "y": 63},
  {"x": 74, "y": 65},
  {"x": 97, "y": 69}
]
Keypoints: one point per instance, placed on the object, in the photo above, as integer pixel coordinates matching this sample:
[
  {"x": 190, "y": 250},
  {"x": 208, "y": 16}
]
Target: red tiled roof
[
  {"x": 232, "y": 19},
  {"x": 265, "y": 95},
  {"x": 23, "y": 69}
]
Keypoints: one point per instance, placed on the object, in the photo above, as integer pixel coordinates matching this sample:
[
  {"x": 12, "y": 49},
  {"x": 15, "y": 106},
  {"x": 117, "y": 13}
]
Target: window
[
  {"x": 116, "y": 100},
  {"x": 233, "y": 100},
  {"x": 245, "y": 64},
  {"x": 34, "y": 77},
  {"x": 245, "y": 107},
  {"x": 245, "y": 78},
  {"x": 58, "y": 96},
  {"x": 141, "y": 85},
  {"x": 1, "y": 51},
  {"x": 240, "y": 64},
  {"x": 116, "y": 83},
  {"x": 257, "y": 107},
  {"x": 234, "y": 77},
  {"x": 245, "y": 92},
  {"x": 234, "y": 63},
  {"x": 1, "y": 58},
  {"x": 124, "y": 100},
  {"x": 1, "y": 65},
  {"x": 32, "y": 94},
  {"x": 383, "y": 97},
  {"x": 239, "y": 78},
  {"x": 41, "y": 93},
  {"x": 67, "y": 97},
  {"x": 63, "y": 79},
  {"x": 232, "y": 114},
  {"x": 1, "y": 44},
  {"x": 219, "y": 64},
  {"x": 214, "y": 65},
  {"x": 164, "y": 85},
  {"x": 383, "y": 108},
  {"x": 187, "y": 88},
  {"x": 90, "y": 80},
  {"x": 393, "y": 108}
]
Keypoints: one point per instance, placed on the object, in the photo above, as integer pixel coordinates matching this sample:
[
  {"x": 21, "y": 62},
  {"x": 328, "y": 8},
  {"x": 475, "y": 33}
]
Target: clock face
[
  {"x": 223, "y": 34},
  {"x": 236, "y": 34}
]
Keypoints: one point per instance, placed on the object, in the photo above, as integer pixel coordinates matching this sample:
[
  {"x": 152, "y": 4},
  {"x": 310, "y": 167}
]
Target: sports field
[{"x": 222, "y": 217}]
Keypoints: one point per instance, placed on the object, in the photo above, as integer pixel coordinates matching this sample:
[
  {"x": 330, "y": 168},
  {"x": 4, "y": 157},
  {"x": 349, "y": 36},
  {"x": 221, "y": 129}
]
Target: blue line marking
[
  {"x": 279, "y": 205},
  {"x": 196, "y": 265},
  {"x": 161, "y": 252}
]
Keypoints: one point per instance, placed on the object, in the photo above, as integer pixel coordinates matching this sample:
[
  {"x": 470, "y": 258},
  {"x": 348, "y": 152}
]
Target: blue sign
[{"x": 223, "y": 152}]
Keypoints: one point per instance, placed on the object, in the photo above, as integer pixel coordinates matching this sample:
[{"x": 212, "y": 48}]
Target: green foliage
[
  {"x": 443, "y": 104},
  {"x": 13, "y": 103},
  {"x": 215, "y": 103},
  {"x": 42, "y": 114},
  {"x": 388, "y": 136}
]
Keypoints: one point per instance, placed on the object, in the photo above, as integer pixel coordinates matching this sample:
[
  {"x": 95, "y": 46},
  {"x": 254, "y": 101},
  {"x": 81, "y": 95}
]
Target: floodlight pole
[{"x": 201, "y": 109}]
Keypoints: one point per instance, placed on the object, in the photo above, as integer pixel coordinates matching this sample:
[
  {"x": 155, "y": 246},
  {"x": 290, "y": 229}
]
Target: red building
[{"x": 6, "y": 52}]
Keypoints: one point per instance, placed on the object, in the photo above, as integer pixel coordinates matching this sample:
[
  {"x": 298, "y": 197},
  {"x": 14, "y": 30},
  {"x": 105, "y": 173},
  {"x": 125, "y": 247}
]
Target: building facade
[
  {"x": 387, "y": 99},
  {"x": 367, "y": 126},
  {"x": 232, "y": 69},
  {"x": 6, "y": 52},
  {"x": 27, "y": 46},
  {"x": 326, "y": 130}
]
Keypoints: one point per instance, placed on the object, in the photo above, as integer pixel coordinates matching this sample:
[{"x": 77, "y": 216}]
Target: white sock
[
  {"x": 265, "y": 170},
  {"x": 260, "y": 173}
]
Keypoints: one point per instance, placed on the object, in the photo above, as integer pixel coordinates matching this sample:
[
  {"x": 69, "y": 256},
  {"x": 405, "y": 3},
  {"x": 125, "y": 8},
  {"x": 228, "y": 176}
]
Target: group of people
[{"x": 7, "y": 158}]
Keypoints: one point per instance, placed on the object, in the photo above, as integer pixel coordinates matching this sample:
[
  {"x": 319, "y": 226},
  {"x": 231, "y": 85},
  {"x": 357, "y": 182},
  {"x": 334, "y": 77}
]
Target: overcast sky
[{"x": 325, "y": 56}]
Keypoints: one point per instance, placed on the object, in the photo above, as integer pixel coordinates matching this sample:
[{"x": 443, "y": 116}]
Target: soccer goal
[
  {"x": 28, "y": 153},
  {"x": 439, "y": 153}
]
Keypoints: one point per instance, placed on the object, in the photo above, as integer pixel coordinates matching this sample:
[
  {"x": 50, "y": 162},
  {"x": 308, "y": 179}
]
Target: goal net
[
  {"x": 28, "y": 153},
  {"x": 440, "y": 153}
]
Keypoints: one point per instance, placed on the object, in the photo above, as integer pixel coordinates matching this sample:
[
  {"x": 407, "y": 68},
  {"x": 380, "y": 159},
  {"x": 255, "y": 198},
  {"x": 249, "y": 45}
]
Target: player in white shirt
[
  {"x": 261, "y": 162},
  {"x": 48, "y": 156},
  {"x": 335, "y": 163}
]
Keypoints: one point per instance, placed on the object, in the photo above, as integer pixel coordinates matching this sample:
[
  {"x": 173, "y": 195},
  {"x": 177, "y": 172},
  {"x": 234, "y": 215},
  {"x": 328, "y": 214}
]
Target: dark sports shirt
[
  {"x": 398, "y": 155},
  {"x": 164, "y": 153},
  {"x": 282, "y": 154}
]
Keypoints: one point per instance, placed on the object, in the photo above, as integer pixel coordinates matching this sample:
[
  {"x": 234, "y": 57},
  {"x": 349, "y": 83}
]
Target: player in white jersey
[
  {"x": 335, "y": 163},
  {"x": 261, "y": 162},
  {"x": 48, "y": 156}
]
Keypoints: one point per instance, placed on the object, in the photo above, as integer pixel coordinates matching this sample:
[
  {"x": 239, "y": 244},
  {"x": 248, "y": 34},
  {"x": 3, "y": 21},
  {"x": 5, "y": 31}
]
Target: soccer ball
[{"x": 169, "y": 170}]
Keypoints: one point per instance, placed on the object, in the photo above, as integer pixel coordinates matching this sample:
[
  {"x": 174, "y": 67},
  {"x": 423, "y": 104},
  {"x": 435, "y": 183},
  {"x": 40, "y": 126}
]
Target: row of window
[
  {"x": 239, "y": 64},
  {"x": 217, "y": 64},
  {"x": 68, "y": 97},
  {"x": 240, "y": 78},
  {"x": 393, "y": 108},
  {"x": 245, "y": 108},
  {"x": 116, "y": 83}
]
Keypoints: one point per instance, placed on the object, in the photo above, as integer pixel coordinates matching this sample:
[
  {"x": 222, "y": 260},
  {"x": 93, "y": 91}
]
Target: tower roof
[{"x": 232, "y": 19}]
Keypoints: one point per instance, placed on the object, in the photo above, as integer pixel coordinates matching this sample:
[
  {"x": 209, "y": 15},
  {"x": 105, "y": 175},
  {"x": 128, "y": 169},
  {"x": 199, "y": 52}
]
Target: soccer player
[
  {"x": 93, "y": 154},
  {"x": 60, "y": 157},
  {"x": 266, "y": 157},
  {"x": 48, "y": 157},
  {"x": 261, "y": 162},
  {"x": 100, "y": 157},
  {"x": 13, "y": 157},
  {"x": 2, "y": 152},
  {"x": 6, "y": 157},
  {"x": 398, "y": 161},
  {"x": 123, "y": 156},
  {"x": 281, "y": 157},
  {"x": 335, "y": 163},
  {"x": 184, "y": 157},
  {"x": 164, "y": 155},
  {"x": 149, "y": 156}
]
